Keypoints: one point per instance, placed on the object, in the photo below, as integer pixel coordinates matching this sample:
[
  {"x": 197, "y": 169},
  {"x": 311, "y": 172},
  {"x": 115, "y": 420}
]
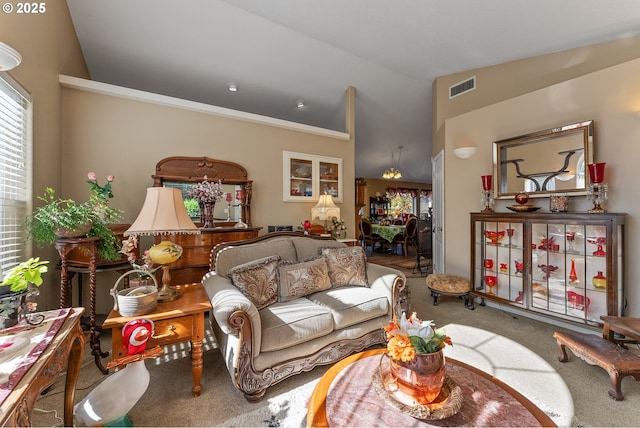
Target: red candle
[
  {"x": 596, "y": 172},
  {"x": 487, "y": 182}
]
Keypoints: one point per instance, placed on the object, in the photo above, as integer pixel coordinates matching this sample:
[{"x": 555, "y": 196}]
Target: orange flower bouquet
[
  {"x": 417, "y": 360},
  {"x": 413, "y": 336}
]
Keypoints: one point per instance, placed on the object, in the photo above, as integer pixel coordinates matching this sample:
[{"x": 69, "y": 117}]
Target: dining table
[{"x": 387, "y": 232}]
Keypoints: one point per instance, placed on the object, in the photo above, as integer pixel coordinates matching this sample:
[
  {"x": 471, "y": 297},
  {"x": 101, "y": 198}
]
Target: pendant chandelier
[{"x": 393, "y": 172}]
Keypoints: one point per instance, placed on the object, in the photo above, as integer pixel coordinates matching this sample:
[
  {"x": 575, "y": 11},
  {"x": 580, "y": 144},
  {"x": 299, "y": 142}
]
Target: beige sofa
[{"x": 281, "y": 308}]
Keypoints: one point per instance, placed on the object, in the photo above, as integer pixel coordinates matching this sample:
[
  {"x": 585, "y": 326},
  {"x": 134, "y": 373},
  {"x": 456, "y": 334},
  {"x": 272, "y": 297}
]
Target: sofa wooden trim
[{"x": 253, "y": 383}]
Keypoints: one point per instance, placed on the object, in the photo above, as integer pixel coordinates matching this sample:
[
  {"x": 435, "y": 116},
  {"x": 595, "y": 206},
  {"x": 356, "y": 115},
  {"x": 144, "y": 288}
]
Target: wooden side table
[
  {"x": 174, "y": 322},
  {"x": 64, "y": 247},
  {"x": 64, "y": 352}
]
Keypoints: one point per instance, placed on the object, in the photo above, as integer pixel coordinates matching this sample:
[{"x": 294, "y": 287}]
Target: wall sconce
[
  {"x": 465, "y": 152},
  {"x": 9, "y": 57}
]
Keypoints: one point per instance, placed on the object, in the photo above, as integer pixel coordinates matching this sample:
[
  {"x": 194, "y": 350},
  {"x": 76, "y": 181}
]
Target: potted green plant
[
  {"x": 59, "y": 218},
  {"x": 18, "y": 291}
]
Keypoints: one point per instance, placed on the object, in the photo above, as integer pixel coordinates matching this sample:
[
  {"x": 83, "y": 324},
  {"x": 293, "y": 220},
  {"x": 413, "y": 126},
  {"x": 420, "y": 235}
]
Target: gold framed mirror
[
  {"x": 544, "y": 162},
  {"x": 183, "y": 172}
]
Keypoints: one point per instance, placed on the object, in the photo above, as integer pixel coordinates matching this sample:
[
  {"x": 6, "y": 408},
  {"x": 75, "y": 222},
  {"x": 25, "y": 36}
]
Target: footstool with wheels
[{"x": 450, "y": 285}]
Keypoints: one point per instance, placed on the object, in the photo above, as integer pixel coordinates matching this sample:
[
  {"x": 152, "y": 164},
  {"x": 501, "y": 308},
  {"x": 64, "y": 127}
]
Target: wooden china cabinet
[
  {"x": 182, "y": 171},
  {"x": 562, "y": 265}
]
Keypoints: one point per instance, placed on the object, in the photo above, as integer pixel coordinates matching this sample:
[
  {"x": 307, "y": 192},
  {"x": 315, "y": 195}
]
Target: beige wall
[
  {"x": 611, "y": 97},
  {"x": 111, "y": 135},
  {"x": 48, "y": 45}
]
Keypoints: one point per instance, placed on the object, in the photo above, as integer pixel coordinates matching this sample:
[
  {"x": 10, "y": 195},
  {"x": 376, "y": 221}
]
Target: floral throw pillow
[
  {"x": 258, "y": 280},
  {"x": 302, "y": 279},
  {"x": 347, "y": 266}
]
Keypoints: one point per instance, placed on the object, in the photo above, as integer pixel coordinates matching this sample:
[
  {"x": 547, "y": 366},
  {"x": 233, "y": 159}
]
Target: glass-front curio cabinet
[{"x": 564, "y": 265}]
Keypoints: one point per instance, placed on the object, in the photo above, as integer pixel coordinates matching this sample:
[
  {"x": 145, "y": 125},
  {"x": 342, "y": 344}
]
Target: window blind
[{"x": 15, "y": 127}]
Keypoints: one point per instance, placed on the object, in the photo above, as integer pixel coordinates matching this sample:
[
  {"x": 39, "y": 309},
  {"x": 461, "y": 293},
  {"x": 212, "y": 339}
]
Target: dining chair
[
  {"x": 368, "y": 237},
  {"x": 408, "y": 237}
]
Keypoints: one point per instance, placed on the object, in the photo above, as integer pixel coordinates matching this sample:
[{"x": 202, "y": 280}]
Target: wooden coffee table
[
  {"x": 345, "y": 396},
  {"x": 174, "y": 322}
]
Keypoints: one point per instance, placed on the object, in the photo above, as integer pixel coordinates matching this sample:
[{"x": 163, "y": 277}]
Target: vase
[
  {"x": 573, "y": 276},
  {"x": 16, "y": 306},
  {"x": 208, "y": 215},
  {"x": 599, "y": 281},
  {"x": 339, "y": 234},
  {"x": 422, "y": 378}
]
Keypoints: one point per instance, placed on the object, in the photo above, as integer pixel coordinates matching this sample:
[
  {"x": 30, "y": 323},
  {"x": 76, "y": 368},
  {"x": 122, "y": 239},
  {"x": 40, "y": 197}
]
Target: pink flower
[
  {"x": 92, "y": 176},
  {"x": 110, "y": 178}
]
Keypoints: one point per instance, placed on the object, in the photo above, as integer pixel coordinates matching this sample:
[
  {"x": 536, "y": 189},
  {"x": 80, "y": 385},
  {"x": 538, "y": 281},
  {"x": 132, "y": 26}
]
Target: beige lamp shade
[
  {"x": 163, "y": 213},
  {"x": 325, "y": 209}
]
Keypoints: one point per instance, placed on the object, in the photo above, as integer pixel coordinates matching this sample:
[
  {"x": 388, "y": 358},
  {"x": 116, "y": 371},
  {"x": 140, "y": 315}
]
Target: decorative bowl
[{"x": 493, "y": 236}]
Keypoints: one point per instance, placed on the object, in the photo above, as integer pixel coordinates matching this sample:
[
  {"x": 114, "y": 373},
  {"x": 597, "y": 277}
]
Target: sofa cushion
[
  {"x": 233, "y": 256},
  {"x": 301, "y": 279},
  {"x": 347, "y": 266},
  {"x": 289, "y": 323},
  {"x": 352, "y": 305},
  {"x": 307, "y": 249},
  {"x": 258, "y": 280}
]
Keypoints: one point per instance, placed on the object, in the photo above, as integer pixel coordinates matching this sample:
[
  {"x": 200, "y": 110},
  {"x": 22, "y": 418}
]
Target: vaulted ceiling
[{"x": 282, "y": 51}]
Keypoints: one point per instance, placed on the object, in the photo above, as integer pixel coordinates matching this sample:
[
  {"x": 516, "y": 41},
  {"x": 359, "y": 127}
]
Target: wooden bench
[{"x": 596, "y": 350}]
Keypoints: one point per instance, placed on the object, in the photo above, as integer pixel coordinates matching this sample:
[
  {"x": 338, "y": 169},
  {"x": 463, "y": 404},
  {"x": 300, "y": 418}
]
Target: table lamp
[
  {"x": 325, "y": 209},
  {"x": 163, "y": 213}
]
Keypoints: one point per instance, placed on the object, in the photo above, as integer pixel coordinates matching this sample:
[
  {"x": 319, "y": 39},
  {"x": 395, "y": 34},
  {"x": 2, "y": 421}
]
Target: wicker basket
[{"x": 132, "y": 302}]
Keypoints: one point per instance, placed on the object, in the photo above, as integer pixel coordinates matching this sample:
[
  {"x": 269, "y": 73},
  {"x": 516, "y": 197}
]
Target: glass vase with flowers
[
  {"x": 207, "y": 193},
  {"x": 417, "y": 360},
  {"x": 337, "y": 228}
]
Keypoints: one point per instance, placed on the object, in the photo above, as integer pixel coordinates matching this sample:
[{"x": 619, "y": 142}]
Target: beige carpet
[{"x": 518, "y": 350}]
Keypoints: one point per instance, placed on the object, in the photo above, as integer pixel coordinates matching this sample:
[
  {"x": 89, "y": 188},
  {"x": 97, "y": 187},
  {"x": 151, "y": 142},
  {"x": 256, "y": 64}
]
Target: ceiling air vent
[{"x": 462, "y": 87}]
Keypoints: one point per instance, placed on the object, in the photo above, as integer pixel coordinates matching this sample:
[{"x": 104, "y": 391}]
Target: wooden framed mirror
[
  {"x": 544, "y": 162},
  {"x": 183, "y": 172}
]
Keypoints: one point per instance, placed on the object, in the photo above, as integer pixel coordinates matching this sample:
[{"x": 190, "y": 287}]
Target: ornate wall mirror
[
  {"x": 544, "y": 162},
  {"x": 183, "y": 172}
]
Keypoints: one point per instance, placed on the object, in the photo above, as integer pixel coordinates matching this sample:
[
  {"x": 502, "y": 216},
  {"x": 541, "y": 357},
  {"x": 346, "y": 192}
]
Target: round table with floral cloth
[
  {"x": 346, "y": 396},
  {"x": 387, "y": 232}
]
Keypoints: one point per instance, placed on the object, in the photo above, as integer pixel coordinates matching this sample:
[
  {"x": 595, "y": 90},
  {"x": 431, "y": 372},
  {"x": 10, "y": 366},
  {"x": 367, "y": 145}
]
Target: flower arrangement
[
  {"x": 129, "y": 246},
  {"x": 337, "y": 225},
  {"x": 46, "y": 223},
  {"x": 413, "y": 336},
  {"x": 206, "y": 191},
  {"x": 98, "y": 191}
]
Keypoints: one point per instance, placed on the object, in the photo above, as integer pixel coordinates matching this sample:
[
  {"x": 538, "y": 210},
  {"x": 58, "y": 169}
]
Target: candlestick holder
[
  {"x": 487, "y": 197},
  {"x": 597, "y": 193},
  {"x": 487, "y": 201}
]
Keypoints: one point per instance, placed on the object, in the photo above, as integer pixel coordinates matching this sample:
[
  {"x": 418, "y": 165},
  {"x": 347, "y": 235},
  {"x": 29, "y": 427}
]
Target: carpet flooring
[{"x": 516, "y": 349}]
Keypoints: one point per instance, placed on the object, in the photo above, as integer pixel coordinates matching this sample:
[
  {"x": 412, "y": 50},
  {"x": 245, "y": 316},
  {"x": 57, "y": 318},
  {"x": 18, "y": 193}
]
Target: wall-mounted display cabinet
[
  {"x": 306, "y": 177},
  {"x": 563, "y": 265}
]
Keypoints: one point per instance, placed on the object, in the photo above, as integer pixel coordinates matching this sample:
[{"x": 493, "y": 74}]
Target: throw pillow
[
  {"x": 258, "y": 280},
  {"x": 347, "y": 266},
  {"x": 302, "y": 279}
]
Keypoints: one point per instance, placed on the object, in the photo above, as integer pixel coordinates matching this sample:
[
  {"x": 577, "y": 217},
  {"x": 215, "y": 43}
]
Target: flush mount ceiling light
[
  {"x": 300, "y": 103},
  {"x": 233, "y": 87},
  {"x": 9, "y": 57},
  {"x": 393, "y": 172}
]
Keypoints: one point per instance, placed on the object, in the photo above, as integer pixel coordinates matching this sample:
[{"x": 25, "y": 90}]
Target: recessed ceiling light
[
  {"x": 300, "y": 103},
  {"x": 233, "y": 87}
]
